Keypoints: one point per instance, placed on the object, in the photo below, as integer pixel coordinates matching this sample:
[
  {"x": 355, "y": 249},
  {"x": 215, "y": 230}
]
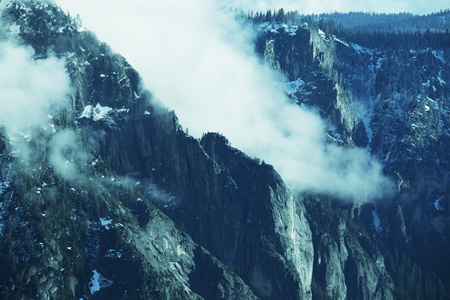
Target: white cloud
[
  {"x": 199, "y": 62},
  {"x": 29, "y": 90},
  {"x": 67, "y": 155},
  {"x": 29, "y": 87}
]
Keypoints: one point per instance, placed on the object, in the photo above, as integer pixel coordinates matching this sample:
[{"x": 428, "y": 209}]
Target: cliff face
[
  {"x": 108, "y": 197},
  {"x": 148, "y": 212},
  {"x": 393, "y": 102}
]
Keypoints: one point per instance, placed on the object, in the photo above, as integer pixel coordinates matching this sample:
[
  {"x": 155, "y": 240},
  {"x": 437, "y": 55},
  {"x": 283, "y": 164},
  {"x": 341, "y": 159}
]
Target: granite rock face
[
  {"x": 392, "y": 101},
  {"x": 116, "y": 201},
  {"x": 152, "y": 213}
]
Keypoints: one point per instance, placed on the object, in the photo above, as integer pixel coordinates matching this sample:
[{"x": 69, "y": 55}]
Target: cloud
[
  {"x": 68, "y": 156},
  {"x": 200, "y": 62},
  {"x": 29, "y": 90},
  {"x": 29, "y": 87}
]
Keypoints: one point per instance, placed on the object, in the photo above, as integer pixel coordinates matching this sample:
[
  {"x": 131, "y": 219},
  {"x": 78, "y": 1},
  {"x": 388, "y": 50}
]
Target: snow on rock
[
  {"x": 439, "y": 54},
  {"x": 357, "y": 48},
  {"x": 290, "y": 29},
  {"x": 437, "y": 204},
  {"x": 294, "y": 86},
  {"x": 296, "y": 89},
  {"x": 105, "y": 222},
  {"x": 441, "y": 81},
  {"x": 95, "y": 113},
  {"x": 274, "y": 28},
  {"x": 322, "y": 34},
  {"x": 342, "y": 42},
  {"x": 98, "y": 282}
]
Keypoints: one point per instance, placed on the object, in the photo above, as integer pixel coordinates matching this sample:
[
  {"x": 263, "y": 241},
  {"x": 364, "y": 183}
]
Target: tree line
[{"x": 399, "y": 31}]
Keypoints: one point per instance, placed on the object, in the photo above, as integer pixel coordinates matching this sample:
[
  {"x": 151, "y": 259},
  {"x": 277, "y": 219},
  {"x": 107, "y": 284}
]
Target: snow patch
[
  {"x": 322, "y": 34},
  {"x": 112, "y": 253},
  {"x": 294, "y": 86},
  {"x": 274, "y": 28},
  {"x": 290, "y": 29},
  {"x": 297, "y": 87},
  {"x": 105, "y": 223},
  {"x": 357, "y": 47},
  {"x": 379, "y": 63},
  {"x": 95, "y": 113},
  {"x": 437, "y": 204},
  {"x": 441, "y": 81},
  {"x": 233, "y": 182},
  {"x": 98, "y": 282},
  {"x": 342, "y": 42},
  {"x": 439, "y": 54}
]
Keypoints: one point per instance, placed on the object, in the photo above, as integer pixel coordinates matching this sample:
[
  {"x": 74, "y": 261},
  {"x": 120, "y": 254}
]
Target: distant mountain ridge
[{"x": 401, "y": 22}]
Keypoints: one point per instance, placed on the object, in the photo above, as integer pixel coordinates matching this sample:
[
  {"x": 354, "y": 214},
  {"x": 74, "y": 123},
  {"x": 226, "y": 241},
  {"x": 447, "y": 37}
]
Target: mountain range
[{"x": 104, "y": 195}]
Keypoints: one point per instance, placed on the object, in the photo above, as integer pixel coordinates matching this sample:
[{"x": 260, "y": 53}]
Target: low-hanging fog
[{"x": 200, "y": 62}]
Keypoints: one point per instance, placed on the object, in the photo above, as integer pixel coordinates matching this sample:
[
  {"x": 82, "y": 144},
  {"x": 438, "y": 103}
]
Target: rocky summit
[{"x": 103, "y": 195}]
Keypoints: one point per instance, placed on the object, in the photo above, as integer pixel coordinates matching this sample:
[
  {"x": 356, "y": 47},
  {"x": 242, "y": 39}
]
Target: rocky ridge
[{"x": 103, "y": 234}]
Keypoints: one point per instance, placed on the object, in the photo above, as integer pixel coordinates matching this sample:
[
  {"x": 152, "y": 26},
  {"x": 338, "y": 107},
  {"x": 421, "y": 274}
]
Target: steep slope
[
  {"x": 393, "y": 101},
  {"x": 78, "y": 216},
  {"x": 106, "y": 197}
]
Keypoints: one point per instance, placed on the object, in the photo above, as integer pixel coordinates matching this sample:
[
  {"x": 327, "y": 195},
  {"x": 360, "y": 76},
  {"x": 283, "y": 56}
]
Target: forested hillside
[{"x": 386, "y": 91}]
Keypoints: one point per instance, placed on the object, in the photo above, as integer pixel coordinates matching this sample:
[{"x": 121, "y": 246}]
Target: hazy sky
[
  {"x": 313, "y": 6},
  {"x": 199, "y": 61}
]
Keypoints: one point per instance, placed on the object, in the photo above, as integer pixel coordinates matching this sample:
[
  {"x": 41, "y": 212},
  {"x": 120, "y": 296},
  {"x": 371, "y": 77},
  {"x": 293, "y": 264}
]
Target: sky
[{"x": 200, "y": 62}]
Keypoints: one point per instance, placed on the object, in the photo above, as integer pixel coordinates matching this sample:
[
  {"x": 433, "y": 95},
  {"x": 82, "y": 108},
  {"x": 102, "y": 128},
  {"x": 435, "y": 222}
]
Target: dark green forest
[{"x": 370, "y": 30}]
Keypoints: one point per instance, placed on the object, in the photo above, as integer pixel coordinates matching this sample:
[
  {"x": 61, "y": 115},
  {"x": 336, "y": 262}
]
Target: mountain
[
  {"x": 391, "y": 99},
  {"x": 103, "y": 195},
  {"x": 80, "y": 216}
]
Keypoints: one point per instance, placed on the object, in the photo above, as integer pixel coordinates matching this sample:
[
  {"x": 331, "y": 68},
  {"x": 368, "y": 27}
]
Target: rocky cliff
[
  {"x": 146, "y": 211},
  {"x": 393, "y": 101},
  {"x": 107, "y": 197}
]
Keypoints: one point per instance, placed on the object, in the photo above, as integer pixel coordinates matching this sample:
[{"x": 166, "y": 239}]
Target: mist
[
  {"x": 31, "y": 91},
  {"x": 29, "y": 87},
  {"x": 200, "y": 62}
]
